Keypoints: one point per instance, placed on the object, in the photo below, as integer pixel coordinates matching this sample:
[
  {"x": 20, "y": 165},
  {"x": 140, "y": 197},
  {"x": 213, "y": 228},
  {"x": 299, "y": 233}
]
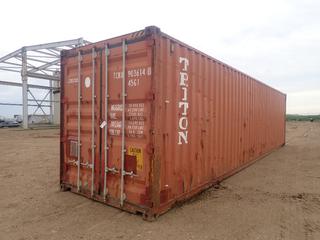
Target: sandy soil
[{"x": 276, "y": 198}]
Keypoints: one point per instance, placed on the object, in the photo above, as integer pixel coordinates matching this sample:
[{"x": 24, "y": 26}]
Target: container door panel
[
  {"x": 135, "y": 145},
  {"x": 69, "y": 99},
  {"x": 82, "y": 121}
]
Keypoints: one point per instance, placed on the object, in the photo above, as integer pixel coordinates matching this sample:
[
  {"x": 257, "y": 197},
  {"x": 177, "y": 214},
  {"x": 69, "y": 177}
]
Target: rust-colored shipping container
[{"x": 148, "y": 121}]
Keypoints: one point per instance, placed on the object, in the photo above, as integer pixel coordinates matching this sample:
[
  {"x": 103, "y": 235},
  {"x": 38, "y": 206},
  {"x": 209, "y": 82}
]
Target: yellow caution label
[{"x": 137, "y": 152}]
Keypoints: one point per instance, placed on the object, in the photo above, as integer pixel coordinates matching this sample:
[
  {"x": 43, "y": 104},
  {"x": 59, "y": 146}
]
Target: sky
[{"x": 275, "y": 41}]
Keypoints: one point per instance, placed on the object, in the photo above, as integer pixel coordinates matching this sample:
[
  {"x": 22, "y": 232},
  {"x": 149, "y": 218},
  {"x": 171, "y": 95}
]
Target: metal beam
[
  {"x": 15, "y": 64},
  {"x": 42, "y": 76},
  {"x": 16, "y": 84},
  {"x": 50, "y": 53},
  {"x": 50, "y": 99},
  {"x": 39, "y": 104},
  {"x": 42, "y": 67},
  {"x": 24, "y": 78},
  {"x": 20, "y": 104},
  {"x": 10, "y": 55},
  {"x": 32, "y": 100},
  {"x": 78, "y": 41},
  {"x": 10, "y": 70},
  {"x": 36, "y": 60},
  {"x": 54, "y": 51},
  {"x": 13, "y": 67}
]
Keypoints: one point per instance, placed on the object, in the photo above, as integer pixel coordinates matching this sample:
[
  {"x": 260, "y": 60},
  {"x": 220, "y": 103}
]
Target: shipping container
[{"x": 148, "y": 121}]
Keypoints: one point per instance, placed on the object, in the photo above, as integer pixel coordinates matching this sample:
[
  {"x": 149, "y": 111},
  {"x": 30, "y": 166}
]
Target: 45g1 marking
[{"x": 135, "y": 82}]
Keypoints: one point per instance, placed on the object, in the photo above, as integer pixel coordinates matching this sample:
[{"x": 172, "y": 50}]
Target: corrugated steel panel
[{"x": 189, "y": 121}]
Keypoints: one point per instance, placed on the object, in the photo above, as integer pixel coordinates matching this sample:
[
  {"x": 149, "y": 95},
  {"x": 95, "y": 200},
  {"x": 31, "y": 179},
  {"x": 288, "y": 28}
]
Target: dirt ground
[{"x": 276, "y": 198}]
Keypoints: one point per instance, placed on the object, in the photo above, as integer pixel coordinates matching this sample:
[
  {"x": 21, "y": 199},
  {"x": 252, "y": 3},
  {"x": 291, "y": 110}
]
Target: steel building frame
[{"x": 40, "y": 62}]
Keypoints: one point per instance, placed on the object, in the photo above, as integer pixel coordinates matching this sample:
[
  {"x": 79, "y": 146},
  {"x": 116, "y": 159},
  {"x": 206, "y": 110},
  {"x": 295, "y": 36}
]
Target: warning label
[{"x": 137, "y": 152}]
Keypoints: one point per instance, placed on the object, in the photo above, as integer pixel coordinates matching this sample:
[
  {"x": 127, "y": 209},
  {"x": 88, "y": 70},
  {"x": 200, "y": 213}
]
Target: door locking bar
[
  {"x": 106, "y": 169},
  {"x": 93, "y": 121},
  {"x": 124, "y": 50},
  {"x": 79, "y": 121}
]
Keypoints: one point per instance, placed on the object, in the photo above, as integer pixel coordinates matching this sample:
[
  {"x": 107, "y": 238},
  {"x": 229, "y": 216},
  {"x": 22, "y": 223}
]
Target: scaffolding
[{"x": 37, "y": 62}]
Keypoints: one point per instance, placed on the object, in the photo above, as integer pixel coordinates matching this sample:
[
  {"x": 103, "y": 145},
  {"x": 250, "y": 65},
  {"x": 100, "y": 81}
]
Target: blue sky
[{"x": 276, "y": 42}]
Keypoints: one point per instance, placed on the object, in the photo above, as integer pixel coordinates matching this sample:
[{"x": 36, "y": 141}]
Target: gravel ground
[{"x": 278, "y": 197}]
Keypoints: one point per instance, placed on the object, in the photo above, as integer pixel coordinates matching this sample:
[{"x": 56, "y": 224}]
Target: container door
[
  {"x": 107, "y": 132},
  {"x": 127, "y": 99},
  {"x": 81, "y": 122}
]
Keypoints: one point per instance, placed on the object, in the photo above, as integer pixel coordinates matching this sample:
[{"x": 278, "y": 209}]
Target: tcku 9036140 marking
[{"x": 133, "y": 75}]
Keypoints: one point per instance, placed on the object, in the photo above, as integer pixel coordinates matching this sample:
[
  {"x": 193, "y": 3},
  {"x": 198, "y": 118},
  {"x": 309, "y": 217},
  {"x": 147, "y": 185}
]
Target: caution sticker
[{"x": 137, "y": 152}]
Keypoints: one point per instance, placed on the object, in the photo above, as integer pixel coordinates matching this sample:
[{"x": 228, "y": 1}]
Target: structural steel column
[
  {"x": 24, "y": 79},
  {"x": 51, "y": 102}
]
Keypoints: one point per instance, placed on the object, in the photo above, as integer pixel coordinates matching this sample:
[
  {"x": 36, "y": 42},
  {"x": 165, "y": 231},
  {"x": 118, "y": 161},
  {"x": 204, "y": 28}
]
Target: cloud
[
  {"x": 275, "y": 41},
  {"x": 304, "y": 102}
]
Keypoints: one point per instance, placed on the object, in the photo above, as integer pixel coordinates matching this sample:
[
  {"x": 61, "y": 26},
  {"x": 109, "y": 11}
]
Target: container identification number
[{"x": 133, "y": 75}]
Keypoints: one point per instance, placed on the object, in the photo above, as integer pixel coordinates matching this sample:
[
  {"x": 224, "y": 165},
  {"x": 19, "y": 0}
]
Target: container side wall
[{"x": 212, "y": 119}]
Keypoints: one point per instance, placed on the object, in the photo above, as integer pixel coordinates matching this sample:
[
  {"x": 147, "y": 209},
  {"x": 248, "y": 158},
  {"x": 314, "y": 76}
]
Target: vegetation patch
[{"x": 297, "y": 117}]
